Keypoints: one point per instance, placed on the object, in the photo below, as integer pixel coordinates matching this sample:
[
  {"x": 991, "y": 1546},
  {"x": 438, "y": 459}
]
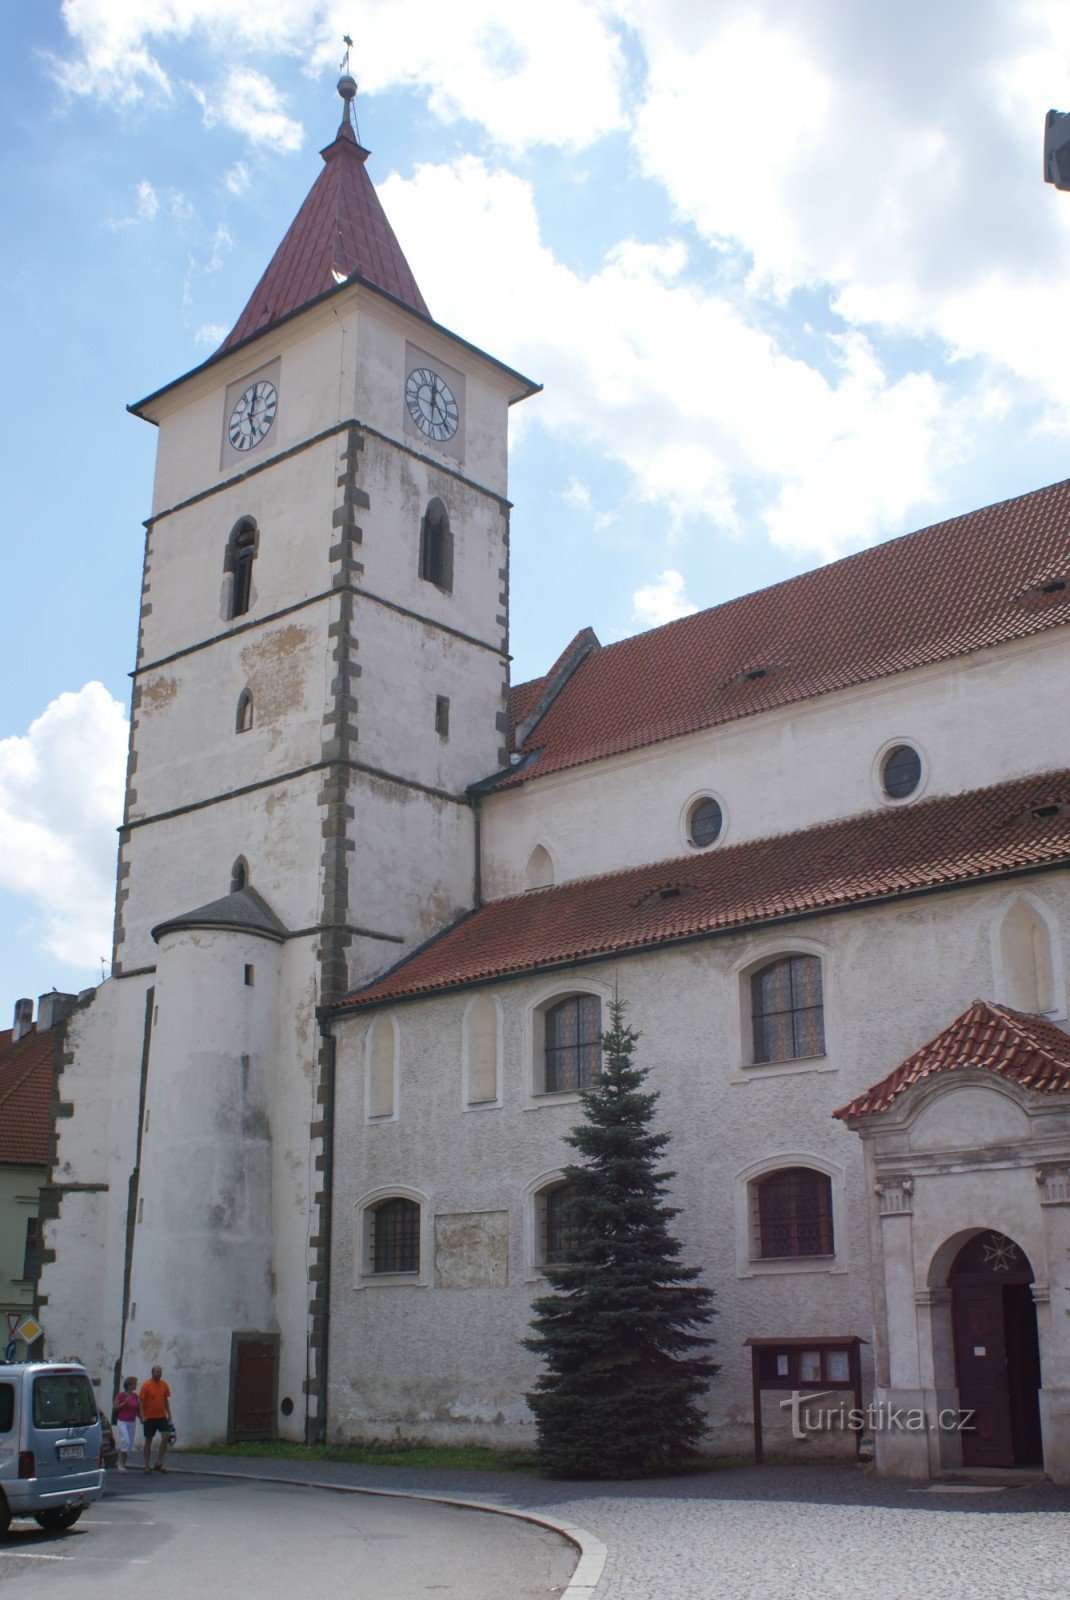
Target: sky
[{"x": 789, "y": 274}]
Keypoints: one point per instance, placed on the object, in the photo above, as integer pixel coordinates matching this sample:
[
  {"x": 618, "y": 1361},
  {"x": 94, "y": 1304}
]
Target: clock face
[
  {"x": 431, "y": 404},
  {"x": 253, "y": 415}
]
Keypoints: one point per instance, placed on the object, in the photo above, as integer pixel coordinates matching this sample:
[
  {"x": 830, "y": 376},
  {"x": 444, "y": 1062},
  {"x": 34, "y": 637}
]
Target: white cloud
[
  {"x": 148, "y": 201},
  {"x": 211, "y": 333},
  {"x": 250, "y": 103},
  {"x": 61, "y": 794},
  {"x": 577, "y": 493},
  {"x": 237, "y": 179},
  {"x": 546, "y": 74},
  {"x": 684, "y": 385},
  {"x": 661, "y": 601}
]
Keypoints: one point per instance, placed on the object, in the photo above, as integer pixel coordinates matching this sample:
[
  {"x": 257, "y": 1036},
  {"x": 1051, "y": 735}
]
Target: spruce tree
[{"x": 624, "y": 1368}]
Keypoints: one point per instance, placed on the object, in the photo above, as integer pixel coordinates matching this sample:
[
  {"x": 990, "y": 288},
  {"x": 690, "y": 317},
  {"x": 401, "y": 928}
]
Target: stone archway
[{"x": 996, "y": 1351}]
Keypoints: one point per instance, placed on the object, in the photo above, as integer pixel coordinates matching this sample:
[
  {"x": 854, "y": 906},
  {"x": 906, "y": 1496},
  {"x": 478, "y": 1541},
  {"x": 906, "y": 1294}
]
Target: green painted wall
[{"x": 19, "y": 1188}]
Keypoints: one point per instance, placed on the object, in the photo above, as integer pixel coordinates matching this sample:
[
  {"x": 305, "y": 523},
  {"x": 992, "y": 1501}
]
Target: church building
[{"x": 374, "y": 899}]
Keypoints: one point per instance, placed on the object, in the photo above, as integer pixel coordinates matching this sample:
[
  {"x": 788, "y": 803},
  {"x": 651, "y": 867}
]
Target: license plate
[{"x": 70, "y": 1452}]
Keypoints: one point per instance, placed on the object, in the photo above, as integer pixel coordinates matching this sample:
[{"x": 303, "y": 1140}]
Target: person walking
[
  {"x": 155, "y": 1410},
  {"x": 125, "y": 1411}
]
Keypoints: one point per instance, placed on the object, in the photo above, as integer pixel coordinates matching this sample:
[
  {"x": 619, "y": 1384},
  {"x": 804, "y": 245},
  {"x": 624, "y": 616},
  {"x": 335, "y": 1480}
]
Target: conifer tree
[{"x": 624, "y": 1367}]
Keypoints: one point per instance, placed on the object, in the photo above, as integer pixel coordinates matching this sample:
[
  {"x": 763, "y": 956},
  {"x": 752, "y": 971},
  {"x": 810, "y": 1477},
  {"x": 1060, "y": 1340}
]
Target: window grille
[
  {"x": 795, "y": 1213},
  {"x": 788, "y": 1010},
  {"x": 573, "y": 1043},
  {"x": 396, "y": 1236},
  {"x": 559, "y": 1233}
]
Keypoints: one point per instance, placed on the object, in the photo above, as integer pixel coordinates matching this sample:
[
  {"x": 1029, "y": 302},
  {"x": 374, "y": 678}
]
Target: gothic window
[
  {"x": 540, "y": 873},
  {"x": 241, "y": 553},
  {"x": 382, "y": 1062},
  {"x": 558, "y": 1233},
  {"x": 794, "y": 1213},
  {"x": 572, "y": 1048},
  {"x": 482, "y": 1031},
  {"x": 436, "y": 547},
  {"x": 787, "y": 1010},
  {"x": 1026, "y": 958},
  {"x": 239, "y": 875},
  {"x": 243, "y": 720},
  {"x": 395, "y": 1236}
]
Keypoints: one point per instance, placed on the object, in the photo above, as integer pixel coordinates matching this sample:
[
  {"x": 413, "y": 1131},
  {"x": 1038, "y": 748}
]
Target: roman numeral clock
[{"x": 434, "y": 402}]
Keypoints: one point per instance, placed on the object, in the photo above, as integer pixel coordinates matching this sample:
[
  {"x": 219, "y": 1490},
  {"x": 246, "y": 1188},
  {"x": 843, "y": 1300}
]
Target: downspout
[
  {"x": 326, "y": 1229},
  {"x": 475, "y": 800}
]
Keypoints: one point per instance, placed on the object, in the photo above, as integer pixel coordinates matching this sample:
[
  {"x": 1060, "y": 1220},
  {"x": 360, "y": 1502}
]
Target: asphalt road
[{"x": 180, "y": 1535}]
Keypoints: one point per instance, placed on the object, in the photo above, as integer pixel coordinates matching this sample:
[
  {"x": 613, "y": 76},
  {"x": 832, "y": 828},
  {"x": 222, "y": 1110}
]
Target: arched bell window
[
  {"x": 436, "y": 547},
  {"x": 241, "y": 553}
]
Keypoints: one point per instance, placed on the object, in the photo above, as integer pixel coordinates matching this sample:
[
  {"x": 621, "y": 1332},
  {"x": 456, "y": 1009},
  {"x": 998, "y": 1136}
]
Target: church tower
[{"x": 321, "y": 673}]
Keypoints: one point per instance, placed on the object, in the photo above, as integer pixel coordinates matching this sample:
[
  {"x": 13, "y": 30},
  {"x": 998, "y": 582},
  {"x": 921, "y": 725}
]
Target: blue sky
[{"x": 789, "y": 274}]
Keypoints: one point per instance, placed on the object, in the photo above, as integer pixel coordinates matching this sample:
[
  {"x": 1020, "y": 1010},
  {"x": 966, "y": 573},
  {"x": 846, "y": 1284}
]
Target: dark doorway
[
  {"x": 997, "y": 1356},
  {"x": 254, "y": 1379}
]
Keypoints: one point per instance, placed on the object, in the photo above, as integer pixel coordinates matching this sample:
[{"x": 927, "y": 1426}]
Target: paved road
[
  {"x": 180, "y": 1535},
  {"x": 774, "y": 1533}
]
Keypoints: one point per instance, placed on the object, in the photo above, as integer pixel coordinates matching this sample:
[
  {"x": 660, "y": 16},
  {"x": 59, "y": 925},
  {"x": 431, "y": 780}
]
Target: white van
[{"x": 51, "y": 1460}]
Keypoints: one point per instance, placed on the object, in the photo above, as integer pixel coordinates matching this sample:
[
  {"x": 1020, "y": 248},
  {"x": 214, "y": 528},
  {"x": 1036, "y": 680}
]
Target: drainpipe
[
  {"x": 475, "y": 800},
  {"x": 326, "y": 1229}
]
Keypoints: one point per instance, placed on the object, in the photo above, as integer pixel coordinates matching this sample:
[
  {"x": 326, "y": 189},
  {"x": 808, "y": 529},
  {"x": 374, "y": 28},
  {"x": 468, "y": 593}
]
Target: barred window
[
  {"x": 788, "y": 1010},
  {"x": 573, "y": 1048},
  {"x": 559, "y": 1234},
  {"x": 396, "y": 1236},
  {"x": 794, "y": 1213}
]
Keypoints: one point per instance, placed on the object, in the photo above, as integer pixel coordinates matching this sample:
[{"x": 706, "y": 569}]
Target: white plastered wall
[{"x": 790, "y": 769}]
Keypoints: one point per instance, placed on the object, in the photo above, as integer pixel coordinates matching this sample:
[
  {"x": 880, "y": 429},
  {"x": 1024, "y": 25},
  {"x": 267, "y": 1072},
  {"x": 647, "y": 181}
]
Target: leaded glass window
[
  {"x": 788, "y": 1010},
  {"x": 795, "y": 1213},
  {"x": 573, "y": 1043},
  {"x": 559, "y": 1232},
  {"x": 396, "y": 1236}
]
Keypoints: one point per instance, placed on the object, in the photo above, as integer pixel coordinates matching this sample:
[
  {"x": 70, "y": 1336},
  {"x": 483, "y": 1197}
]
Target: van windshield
[{"x": 63, "y": 1400}]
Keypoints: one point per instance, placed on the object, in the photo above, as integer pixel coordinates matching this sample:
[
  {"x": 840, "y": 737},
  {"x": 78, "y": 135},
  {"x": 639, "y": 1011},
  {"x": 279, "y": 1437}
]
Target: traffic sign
[
  {"x": 9, "y": 1353},
  {"x": 29, "y": 1329},
  {"x": 13, "y": 1320}
]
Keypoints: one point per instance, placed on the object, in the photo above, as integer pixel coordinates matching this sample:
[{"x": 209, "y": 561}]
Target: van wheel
[{"x": 56, "y": 1521}]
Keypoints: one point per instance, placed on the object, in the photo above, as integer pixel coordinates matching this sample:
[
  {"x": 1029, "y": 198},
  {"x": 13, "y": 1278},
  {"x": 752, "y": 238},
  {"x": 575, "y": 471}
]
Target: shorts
[
  {"x": 124, "y": 1436},
  {"x": 155, "y": 1425}
]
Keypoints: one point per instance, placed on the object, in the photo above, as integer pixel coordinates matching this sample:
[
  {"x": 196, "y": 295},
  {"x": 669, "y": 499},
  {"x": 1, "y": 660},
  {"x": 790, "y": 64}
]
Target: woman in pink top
[{"x": 124, "y": 1415}]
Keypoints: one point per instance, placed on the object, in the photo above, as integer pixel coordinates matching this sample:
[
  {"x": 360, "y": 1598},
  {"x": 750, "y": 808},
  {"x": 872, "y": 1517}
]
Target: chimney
[
  {"x": 53, "y": 1007},
  {"x": 23, "y": 1020}
]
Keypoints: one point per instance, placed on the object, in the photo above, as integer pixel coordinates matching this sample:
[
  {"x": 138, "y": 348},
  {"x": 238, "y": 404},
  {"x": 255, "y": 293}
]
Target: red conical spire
[{"x": 340, "y": 229}]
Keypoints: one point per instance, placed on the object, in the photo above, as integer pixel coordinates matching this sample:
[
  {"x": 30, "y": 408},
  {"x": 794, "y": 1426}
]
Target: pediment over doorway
[{"x": 988, "y": 1039}]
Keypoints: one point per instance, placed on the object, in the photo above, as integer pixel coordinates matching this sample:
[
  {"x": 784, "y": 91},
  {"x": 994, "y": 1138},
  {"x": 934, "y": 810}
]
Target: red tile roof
[
  {"x": 978, "y": 580},
  {"x": 25, "y": 1098},
  {"x": 987, "y": 1038},
  {"x": 340, "y": 229},
  {"x": 877, "y": 856}
]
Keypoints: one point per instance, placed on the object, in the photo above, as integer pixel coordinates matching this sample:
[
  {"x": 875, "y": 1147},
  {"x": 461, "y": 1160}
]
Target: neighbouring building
[
  {"x": 26, "y": 1077},
  {"x": 373, "y": 900}
]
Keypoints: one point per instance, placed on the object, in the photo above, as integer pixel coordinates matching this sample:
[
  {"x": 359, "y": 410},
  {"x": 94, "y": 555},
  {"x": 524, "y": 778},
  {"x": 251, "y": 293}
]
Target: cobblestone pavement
[{"x": 770, "y": 1533}]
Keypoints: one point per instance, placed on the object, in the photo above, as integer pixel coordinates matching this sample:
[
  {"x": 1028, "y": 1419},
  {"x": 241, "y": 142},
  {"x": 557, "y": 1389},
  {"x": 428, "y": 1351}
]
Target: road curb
[{"x": 593, "y": 1553}]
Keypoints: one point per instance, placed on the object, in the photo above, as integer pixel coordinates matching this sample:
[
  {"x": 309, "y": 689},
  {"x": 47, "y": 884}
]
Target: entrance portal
[{"x": 997, "y": 1355}]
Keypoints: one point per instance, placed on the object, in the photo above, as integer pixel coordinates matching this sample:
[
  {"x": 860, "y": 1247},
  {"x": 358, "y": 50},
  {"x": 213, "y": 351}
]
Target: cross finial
[{"x": 347, "y": 84}]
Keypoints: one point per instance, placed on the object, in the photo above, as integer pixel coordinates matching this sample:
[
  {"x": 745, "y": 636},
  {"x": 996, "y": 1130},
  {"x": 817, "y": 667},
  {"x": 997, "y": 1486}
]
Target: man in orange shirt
[{"x": 155, "y": 1412}]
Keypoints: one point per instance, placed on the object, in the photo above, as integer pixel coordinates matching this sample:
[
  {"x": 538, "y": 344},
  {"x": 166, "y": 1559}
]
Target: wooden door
[
  {"x": 253, "y": 1386},
  {"x": 981, "y": 1367}
]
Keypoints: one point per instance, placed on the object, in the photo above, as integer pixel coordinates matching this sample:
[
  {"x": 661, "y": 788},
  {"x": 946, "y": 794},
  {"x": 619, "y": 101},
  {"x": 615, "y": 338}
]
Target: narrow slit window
[
  {"x": 241, "y": 553},
  {"x": 239, "y": 875},
  {"x": 442, "y": 716},
  {"x": 244, "y": 719}
]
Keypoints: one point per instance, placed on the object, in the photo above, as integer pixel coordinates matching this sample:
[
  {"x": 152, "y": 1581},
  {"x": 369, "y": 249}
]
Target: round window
[
  {"x": 705, "y": 822},
  {"x": 901, "y": 772}
]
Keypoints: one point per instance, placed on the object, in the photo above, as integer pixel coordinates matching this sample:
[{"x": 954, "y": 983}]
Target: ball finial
[{"x": 347, "y": 87}]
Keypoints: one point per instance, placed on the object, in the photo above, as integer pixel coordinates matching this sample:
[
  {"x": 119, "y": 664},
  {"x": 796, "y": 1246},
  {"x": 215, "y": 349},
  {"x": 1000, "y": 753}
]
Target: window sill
[
  {"x": 553, "y": 1097},
  {"x": 755, "y": 1071},
  {"x": 482, "y": 1105},
  {"x": 777, "y": 1266},
  {"x": 391, "y": 1280}
]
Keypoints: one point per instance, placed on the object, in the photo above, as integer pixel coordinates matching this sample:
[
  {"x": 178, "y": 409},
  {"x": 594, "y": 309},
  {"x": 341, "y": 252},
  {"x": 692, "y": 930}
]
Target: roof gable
[
  {"x": 878, "y": 856},
  {"x": 1027, "y": 1049},
  {"x": 340, "y": 231},
  {"x": 978, "y": 580}
]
